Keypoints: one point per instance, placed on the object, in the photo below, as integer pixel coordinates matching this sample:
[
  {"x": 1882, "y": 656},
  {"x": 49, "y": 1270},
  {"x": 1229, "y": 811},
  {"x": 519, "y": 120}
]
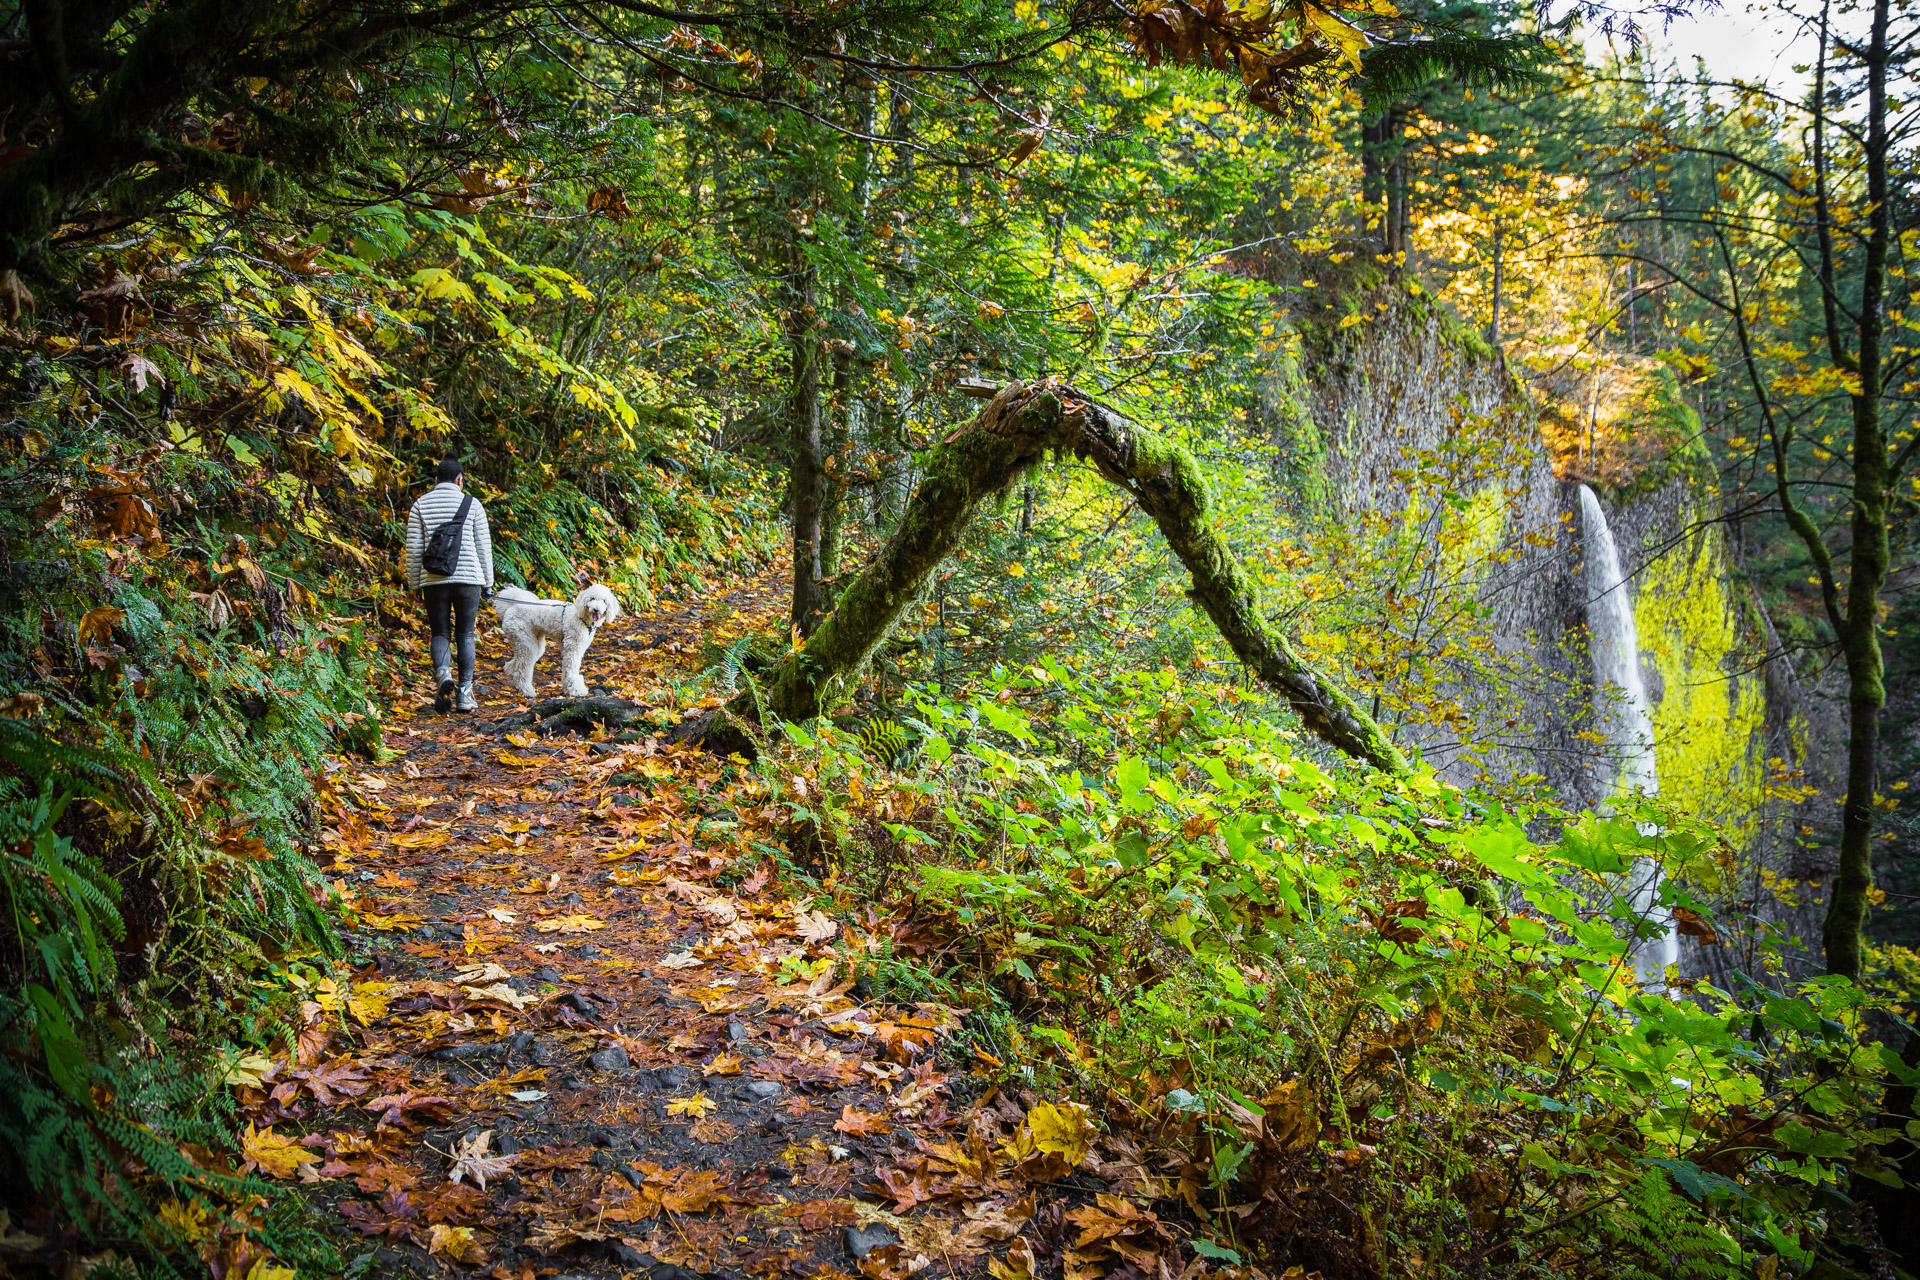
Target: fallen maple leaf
[
  {"x": 388, "y": 924},
  {"x": 720, "y": 910},
  {"x": 682, "y": 890},
  {"x": 334, "y": 1083},
  {"x": 680, "y": 960},
  {"x": 697, "y": 1106},
  {"x": 476, "y": 974},
  {"x": 265, "y": 1268},
  {"x": 368, "y": 1002},
  {"x": 272, "y": 1153},
  {"x": 570, "y": 924},
  {"x": 395, "y": 1106},
  {"x": 502, "y": 992},
  {"x": 248, "y": 1071},
  {"x": 814, "y": 926},
  {"x": 1020, "y": 1263},
  {"x": 470, "y": 1160},
  {"x": 695, "y": 1190},
  {"x": 395, "y": 1217},
  {"x": 861, "y": 1123},
  {"x": 1065, "y": 1131},
  {"x": 501, "y": 914},
  {"x": 727, "y": 1064},
  {"x": 712, "y": 1130},
  {"x": 99, "y": 624},
  {"x": 457, "y": 1243}
]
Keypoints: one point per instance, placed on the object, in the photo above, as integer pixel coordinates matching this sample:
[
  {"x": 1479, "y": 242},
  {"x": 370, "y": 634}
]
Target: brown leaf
[
  {"x": 611, "y": 201},
  {"x": 861, "y": 1123},
  {"x": 394, "y": 1217},
  {"x": 395, "y": 1108},
  {"x": 470, "y": 1160},
  {"x": 98, "y": 624},
  {"x": 14, "y": 296},
  {"x": 1693, "y": 925},
  {"x": 1029, "y": 143},
  {"x": 712, "y": 1130},
  {"x": 138, "y": 369},
  {"x": 131, "y": 516},
  {"x": 21, "y": 706},
  {"x": 457, "y": 1243},
  {"x": 695, "y": 1190}
]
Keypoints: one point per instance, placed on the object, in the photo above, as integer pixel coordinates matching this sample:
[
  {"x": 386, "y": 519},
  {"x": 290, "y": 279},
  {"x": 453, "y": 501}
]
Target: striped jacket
[{"x": 435, "y": 507}]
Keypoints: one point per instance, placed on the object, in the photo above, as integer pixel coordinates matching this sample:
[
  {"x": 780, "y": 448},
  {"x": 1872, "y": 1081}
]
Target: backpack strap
[{"x": 460, "y": 520}]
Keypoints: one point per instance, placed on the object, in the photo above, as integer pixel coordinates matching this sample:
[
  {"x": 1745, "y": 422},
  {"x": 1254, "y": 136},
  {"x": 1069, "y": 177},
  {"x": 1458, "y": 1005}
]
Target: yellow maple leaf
[
  {"x": 188, "y": 1218},
  {"x": 570, "y": 924},
  {"x": 249, "y": 1070},
  {"x": 1066, "y": 1130},
  {"x": 388, "y": 924},
  {"x": 457, "y": 1243},
  {"x": 274, "y": 1154},
  {"x": 696, "y": 1106},
  {"x": 1332, "y": 31},
  {"x": 368, "y": 1002},
  {"x": 265, "y": 1268},
  {"x": 727, "y": 1064}
]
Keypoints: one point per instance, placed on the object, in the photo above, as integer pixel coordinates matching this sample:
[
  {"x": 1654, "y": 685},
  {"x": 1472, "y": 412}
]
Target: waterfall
[{"x": 1622, "y": 715}]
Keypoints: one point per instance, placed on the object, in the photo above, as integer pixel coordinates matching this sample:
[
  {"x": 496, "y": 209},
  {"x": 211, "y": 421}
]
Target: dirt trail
[{"x": 592, "y": 990}]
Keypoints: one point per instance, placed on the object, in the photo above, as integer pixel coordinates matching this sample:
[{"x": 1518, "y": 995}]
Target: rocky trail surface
[{"x": 598, "y": 1033}]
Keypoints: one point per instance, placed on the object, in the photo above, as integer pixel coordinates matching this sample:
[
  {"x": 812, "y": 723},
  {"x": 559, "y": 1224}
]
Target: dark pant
[{"x": 451, "y": 610}]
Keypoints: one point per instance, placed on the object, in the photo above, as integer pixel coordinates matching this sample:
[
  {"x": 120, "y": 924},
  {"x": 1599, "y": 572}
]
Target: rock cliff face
[
  {"x": 1382, "y": 414},
  {"x": 1405, "y": 405}
]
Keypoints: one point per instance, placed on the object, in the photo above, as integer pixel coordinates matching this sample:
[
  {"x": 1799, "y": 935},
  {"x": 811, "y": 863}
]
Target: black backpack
[{"x": 441, "y": 555}]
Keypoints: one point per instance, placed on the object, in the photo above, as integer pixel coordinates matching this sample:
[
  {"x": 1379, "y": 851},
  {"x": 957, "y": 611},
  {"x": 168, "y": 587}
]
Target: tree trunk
[
  {"x": 807, "y": 476},
  {"x": 1846, "y": 920},
  {"x": 984, "y": 460},
  {"x": 833, "y": 513},
  {"x": 1499, "y": 262}
]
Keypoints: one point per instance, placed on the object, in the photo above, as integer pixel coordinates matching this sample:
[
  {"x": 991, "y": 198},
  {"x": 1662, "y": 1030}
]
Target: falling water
[{"x": 1622, "y": 715}]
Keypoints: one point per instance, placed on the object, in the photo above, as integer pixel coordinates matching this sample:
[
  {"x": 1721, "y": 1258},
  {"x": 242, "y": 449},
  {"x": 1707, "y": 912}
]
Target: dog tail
[{"x": 507, "y": 596}]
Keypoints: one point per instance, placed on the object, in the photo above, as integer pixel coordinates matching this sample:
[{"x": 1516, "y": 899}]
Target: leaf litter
[{"x": 581, "y": 1046}]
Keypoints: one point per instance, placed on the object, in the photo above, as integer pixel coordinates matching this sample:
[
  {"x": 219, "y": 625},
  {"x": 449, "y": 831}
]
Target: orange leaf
[{"x": 861, "y": 1123}]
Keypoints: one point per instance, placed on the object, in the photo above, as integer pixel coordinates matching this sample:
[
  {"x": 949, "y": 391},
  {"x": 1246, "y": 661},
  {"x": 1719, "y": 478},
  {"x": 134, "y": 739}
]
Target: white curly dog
[{"x": 530, "y": 622}]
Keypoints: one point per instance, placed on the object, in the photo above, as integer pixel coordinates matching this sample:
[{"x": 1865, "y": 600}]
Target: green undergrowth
[
  {"x": 1384, "y": 1026},
  {"x": 165, "y": 707},
  {"x": 205, "y": 467}
]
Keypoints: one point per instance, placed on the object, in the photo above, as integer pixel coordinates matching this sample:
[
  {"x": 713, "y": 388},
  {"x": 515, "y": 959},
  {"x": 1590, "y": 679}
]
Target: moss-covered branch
[{"x": 983, "y": 460}]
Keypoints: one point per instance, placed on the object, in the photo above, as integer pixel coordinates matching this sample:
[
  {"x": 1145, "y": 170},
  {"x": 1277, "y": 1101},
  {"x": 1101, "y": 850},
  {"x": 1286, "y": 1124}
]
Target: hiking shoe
[
  {"x": 465, "y": 701},
  {"x": 444, "y": 688}
]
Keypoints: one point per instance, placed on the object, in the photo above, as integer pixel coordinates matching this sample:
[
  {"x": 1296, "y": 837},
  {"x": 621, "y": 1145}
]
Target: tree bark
[
  {"x": 1846, "y": 919},
  {"x": 984, "y": 460},
  {"x": 807, "y": 476},
  {"x": 833, "y": 514}
]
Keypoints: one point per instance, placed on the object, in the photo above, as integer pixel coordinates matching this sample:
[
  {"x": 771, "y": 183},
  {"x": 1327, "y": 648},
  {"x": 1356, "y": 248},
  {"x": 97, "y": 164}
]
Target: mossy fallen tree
[{"x": 977, "y": 464}]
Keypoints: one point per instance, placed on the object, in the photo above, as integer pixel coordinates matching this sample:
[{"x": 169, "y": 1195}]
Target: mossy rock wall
[
  {"x": 1732, "y": 725},
  {"x": 1406, "y": 389}
]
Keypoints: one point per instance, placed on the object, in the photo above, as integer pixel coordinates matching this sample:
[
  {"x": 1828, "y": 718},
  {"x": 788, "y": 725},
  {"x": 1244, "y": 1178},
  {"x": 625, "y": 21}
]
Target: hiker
[{"x": 450, "y": 562}]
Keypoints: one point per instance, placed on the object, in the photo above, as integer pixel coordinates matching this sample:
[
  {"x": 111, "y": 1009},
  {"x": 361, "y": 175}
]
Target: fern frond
[{"x": 1391, "y": 72}]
